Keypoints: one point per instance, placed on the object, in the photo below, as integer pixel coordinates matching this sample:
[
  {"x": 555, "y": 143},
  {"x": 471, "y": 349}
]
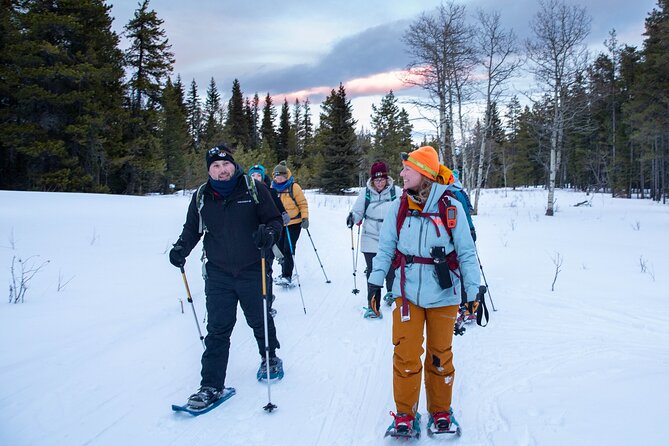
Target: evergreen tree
[
  {"x": 391, "y": 133},
  {"x": 61, "y": 106},
  {"x": 267, "y": 132},
  {"x": 12, "y": 173},
  {"x": 626, "y": 166},
  {"x": 236, "y": 122},
  {"x": 283, "y": 135},
  {"x": 174, "y": 138},
  {"x": 194, "y": 117},
  {"x": 253, "y": 117},
  {"x": 212, "y": 131},
  {"x": 649, "y": 107},
  {"x": 297, "y": 134},
  {"x": 338, "y": 139},
  {"x": 307, "y": 134},
  {"x": 149, "y": 61}
]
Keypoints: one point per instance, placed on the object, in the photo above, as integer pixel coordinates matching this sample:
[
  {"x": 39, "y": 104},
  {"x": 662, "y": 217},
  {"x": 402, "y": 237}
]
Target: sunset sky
[{"x": 306, "y": 48}]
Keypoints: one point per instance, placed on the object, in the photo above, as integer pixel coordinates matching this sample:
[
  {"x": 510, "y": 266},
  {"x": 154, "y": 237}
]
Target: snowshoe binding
[
  {"x": 404, "y": 426},
  {"x": 204, "y": 400},
  {"x": 275, "y": 369},
  {"x": 285, "y": 282},
  {"x": 389, "y": 299},
  {"x": 443, "y": 423},
  {"x": 371, "y": 314}
]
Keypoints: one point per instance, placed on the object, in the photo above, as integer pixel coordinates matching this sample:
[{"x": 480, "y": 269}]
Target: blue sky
[{"x": 306, "y": 48}]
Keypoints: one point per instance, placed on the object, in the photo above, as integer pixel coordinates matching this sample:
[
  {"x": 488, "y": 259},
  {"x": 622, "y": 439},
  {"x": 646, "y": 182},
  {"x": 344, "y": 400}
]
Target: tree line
[{"x": 79, "y": 114}]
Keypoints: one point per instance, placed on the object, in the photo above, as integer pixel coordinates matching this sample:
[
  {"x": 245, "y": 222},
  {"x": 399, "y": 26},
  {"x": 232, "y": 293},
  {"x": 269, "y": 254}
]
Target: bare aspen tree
[
  {"x": 558, "y": 53},
  {"x": 440, "y": 45},
  {"x": 498, "y": 49}
]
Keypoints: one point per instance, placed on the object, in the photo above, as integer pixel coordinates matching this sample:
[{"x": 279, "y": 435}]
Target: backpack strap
[
  {"x": 199, "y": 201},
  {"x": 251, "y": 186}
]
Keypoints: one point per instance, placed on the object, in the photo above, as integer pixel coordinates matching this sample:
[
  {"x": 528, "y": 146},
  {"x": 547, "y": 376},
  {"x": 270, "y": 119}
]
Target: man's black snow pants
[{"x": 223, "y": 291}]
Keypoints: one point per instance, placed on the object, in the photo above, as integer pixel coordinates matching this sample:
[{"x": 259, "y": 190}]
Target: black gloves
[
  {"x": 263, "y": 237},
  {"x": 349, "y": 220},
  {"x": 177, "y": 257}
]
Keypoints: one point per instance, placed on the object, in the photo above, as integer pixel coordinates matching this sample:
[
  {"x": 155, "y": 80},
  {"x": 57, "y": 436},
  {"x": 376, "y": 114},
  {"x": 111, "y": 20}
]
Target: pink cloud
[{"x": 380, "y": 83}]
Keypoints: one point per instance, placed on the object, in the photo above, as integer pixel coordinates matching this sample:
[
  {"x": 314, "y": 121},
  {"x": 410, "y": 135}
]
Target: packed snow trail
[{"x": 101, "y": 361}]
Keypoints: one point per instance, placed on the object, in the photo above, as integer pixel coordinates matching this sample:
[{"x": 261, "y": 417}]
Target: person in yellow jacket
[{"x": 294, "y": 201}]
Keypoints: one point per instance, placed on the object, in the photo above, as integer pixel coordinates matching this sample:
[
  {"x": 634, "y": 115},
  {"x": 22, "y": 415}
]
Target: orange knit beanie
[{"x": 423, "y": 160}]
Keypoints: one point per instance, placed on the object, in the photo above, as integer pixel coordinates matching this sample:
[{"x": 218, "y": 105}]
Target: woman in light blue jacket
[
  {"x": 370, "y": 208},
  {"x": 425, "y": 252}
]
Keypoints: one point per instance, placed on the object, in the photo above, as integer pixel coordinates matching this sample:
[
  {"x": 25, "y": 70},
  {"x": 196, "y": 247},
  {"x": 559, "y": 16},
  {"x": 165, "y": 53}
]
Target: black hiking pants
[
  {"x": 223, "y": 291},
  {"x": 285, "y": 245},
  {"x": 390, "y": 277}
]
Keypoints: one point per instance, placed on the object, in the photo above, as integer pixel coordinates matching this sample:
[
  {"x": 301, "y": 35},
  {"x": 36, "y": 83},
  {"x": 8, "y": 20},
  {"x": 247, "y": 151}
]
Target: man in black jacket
[{"x": 237, "y": 217}]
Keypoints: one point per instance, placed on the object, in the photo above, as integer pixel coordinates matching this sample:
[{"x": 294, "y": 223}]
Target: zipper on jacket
[{"x": 420, "y": 267}]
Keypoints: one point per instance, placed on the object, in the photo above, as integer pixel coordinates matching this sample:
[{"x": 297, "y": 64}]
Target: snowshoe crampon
[
  {"x": 445, "y": 424},
  {"x": 404, "y": 426},
  {"x": 225, "y": 395}
]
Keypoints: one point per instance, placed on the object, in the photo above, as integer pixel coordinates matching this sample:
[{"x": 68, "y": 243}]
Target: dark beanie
[
  {"x": 379, "y": 170},
  {"x": 281, "y": 169},
  {"x": 219, "y": 153}
]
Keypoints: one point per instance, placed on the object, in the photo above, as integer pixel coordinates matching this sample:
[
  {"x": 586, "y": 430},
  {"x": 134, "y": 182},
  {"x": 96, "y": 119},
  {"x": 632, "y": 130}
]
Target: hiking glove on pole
[
  {"x": 263, "y": 237},
  {"x": 177, "y": 257},
  {"x": 349, "y": 220}
]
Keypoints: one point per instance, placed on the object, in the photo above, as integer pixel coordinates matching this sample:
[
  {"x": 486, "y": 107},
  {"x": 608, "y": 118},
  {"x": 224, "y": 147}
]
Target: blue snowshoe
[
  {"x": 371, "y": 314},
  {"x": 204, "y": 400},
  {"x": 275, "y": 369},
  {"x": 389, "y": 298}
]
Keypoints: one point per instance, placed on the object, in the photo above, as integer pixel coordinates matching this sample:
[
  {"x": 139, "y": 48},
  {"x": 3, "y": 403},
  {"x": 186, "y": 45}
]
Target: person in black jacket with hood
[{"x": 237, "y": 218}]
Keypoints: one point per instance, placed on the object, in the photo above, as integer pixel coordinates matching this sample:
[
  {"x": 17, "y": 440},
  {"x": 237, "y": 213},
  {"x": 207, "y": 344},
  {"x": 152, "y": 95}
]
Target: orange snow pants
[{"x": 438, "y": 323}]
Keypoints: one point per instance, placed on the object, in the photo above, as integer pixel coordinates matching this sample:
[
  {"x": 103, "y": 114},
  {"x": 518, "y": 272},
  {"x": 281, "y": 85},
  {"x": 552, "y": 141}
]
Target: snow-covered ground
[{"x": 100, "y": 361}]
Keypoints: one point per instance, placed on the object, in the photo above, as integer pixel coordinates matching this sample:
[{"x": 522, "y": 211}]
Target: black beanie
[{"x": 219, "y": 153}]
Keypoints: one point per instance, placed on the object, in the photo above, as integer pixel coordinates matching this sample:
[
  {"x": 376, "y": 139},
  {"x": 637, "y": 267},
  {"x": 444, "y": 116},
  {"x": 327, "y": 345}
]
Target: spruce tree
[
  {"x": 212, "y": 131},
  {"x": 149, "y": 61},
  {"x": 66, "y": 102},
  {"x": 338, "y": 140},
  {"x": 391, "y": 133},
  {"x": 236, "y": 121},
  {"x": 267, "y": 132},
  {"x": 194, "y": 117},
  {"x": 283, "y": 134},
  {"x": 174, "y": 138},
  {"x": 253, "y": 117}
]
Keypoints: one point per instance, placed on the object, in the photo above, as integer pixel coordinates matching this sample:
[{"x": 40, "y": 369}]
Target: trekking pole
[
  {"x": 269, "y": 407},
  {"x": 317, "y": 256},
  {"x": 190, "y": 299},
  {"x": 355, "y": 267},
  {"x": 292, "y": 253},
  {"x": 486, "y": 282}
]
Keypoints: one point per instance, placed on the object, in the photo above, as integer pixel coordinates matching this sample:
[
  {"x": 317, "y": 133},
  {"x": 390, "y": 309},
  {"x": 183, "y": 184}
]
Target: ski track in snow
[{"x": 115, "y": 351}]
